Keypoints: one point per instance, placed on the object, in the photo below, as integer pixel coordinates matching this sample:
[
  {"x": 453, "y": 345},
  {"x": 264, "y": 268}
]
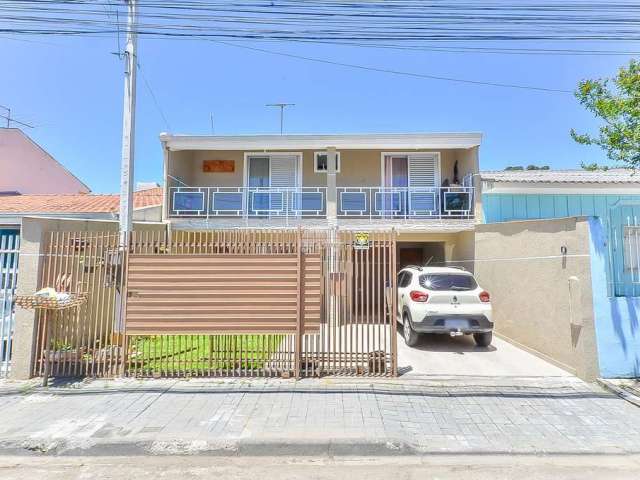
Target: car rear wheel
[
  {"x": 483, "y": 339},
  {"x": 409, "y": 334}
]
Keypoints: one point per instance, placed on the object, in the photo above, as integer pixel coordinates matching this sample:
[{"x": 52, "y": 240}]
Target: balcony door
[
  {"x": 272, "y": 181},
  {"x": 393, "y": 197},
  {"x": 410, "y": 184}
]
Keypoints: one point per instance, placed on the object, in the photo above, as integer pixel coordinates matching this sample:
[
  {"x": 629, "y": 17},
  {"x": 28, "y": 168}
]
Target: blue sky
[{"x": 72, "y": 90}]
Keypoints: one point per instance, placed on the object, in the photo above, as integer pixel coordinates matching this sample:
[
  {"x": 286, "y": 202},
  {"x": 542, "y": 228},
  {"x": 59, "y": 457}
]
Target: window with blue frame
[
  {"x": 353, "y": 201},
  {"x": 390, "y": 202},
  {"x": 188, "y": 201},
  {"x": 227, "y": 201},
  {"x": 308, "y": 201}
]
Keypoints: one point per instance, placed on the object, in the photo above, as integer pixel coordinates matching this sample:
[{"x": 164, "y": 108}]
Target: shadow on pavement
[{"x": 444, "y": 343}]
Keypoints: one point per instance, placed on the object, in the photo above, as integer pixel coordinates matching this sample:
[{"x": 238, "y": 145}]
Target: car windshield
[{"x": 448, "y": 281}]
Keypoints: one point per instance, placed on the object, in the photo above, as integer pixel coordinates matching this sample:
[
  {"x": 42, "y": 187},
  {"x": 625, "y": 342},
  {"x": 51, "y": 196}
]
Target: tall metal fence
[
  {"x": 9, "y": 250},
  {"x": 221, "y": 303}
]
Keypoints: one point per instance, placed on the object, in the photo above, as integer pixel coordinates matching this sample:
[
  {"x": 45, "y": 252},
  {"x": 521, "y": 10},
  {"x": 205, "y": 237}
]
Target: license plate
[{"x": 457, "y": 323}]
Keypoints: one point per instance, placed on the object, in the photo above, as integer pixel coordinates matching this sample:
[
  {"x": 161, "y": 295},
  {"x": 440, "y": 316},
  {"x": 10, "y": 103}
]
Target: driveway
[{"x": 443, "y": 355}]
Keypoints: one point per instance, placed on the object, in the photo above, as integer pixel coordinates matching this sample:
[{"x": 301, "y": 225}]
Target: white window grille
[{"x": 631, "y": 241}]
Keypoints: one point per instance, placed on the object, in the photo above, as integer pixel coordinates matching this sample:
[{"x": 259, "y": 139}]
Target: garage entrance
[
  {"x": 420, "y": 253},
  {"x": 443, "y": 355}
]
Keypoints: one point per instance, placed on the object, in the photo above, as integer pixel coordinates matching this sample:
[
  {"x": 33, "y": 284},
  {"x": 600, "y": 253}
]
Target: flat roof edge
[{"x": 307, "y": 141}]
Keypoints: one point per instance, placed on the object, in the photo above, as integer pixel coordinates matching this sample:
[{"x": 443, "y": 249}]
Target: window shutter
[
  {"x": 284, "y": 174},
  {"x": 423, "y": 171},
  {"x": 424, "y": 175}
]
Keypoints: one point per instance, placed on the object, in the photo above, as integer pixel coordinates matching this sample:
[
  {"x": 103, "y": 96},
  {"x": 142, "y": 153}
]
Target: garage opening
[{"x": 420, "y": 253}]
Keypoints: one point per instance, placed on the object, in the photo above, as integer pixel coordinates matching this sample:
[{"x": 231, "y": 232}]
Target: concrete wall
[
  {"x": 26, "y": 168},
  {"x": 148, "y": 214},
  {"x": 33, "y": 234},
  {"x": 358, "y": 167},
  {"x": 542, "y": 298}
]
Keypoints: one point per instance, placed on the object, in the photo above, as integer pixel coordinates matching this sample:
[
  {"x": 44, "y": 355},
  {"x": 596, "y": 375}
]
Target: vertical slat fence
[{"x": 343, "y": 302}]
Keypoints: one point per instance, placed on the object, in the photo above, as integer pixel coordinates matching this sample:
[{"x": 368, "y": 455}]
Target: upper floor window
[
  {"x": 631, "y": 254},
  {"x": 320, "y": 162}
]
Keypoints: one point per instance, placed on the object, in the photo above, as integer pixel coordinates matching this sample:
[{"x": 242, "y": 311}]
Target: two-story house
[{"x": 422, "y": 185}]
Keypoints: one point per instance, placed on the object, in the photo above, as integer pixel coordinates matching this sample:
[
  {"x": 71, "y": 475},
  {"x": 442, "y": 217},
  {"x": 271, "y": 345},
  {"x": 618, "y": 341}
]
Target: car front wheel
[
  {"x": 483, "y": 339},
  {"x": 409, "y": 334}
]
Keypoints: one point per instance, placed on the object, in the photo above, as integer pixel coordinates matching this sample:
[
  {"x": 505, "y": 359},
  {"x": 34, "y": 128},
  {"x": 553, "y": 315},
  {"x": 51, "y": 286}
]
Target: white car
[{"x": 443, "y": 300}]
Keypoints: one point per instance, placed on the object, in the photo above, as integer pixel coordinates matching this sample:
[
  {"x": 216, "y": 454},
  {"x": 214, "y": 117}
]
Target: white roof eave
[{"x": 408, "y": 141}]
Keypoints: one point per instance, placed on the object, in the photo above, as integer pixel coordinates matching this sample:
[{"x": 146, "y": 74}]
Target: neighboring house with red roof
[
  {"x": 147, "y": 206},
  {"x": 26, "y": 168}
]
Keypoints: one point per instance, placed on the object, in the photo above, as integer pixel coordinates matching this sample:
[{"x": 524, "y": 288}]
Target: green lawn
[{"x": 200, "y": 354}]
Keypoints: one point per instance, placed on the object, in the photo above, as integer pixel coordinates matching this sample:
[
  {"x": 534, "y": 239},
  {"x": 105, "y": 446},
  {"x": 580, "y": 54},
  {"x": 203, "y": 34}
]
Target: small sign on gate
[{"x": 361, "y": 241}]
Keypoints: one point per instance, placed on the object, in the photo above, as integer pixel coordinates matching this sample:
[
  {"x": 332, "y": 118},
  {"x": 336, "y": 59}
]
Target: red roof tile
[{"x": 76, "y": 203}]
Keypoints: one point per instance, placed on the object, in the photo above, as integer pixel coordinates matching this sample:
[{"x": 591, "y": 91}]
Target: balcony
[
  {"x": 405, "y": 202},
  {"x": 247, "y": 202},
  {"x": 261, "y": 206}
]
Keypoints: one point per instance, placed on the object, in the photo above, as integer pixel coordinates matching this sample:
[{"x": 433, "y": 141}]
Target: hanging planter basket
[{"x": 47, "y": 303}]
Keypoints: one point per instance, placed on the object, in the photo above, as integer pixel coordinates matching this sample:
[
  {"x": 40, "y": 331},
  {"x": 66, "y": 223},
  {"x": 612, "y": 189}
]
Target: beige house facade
[{"x": 423, "y": 186}]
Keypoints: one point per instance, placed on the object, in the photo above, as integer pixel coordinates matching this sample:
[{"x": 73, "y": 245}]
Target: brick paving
[{"x": 424, "y": 414}]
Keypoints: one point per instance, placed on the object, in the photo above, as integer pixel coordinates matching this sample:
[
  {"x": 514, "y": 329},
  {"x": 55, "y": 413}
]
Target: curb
[
  {"x": 269, "y": 448},
  {"x": 620, "y": 392},
  {"x": 329, "y": 448}
]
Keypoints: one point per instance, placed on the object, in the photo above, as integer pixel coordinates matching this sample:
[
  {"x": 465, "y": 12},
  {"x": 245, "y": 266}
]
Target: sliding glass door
[
  {"x": 271, "y": 181},
  {"x": 393, "y": 199},
  {"x": 411, "y": 184}
]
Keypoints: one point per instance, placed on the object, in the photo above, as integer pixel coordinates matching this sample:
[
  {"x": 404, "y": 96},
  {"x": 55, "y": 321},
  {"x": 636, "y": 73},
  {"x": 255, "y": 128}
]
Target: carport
[{"x": 442, "y": 355}]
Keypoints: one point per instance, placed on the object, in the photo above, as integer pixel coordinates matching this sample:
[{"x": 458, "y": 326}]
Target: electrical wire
[
  {"x": 154, "y": 98},
  {"x": 11, "y": 119},
  {"x": 338, "y": 21},
  {"x": 396, "y": 72}
]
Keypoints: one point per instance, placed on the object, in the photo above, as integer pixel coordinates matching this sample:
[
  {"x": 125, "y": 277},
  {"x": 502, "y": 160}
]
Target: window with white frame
[
  {"x": 631, "y": 242},
  {"x": 320, "y": 162}
]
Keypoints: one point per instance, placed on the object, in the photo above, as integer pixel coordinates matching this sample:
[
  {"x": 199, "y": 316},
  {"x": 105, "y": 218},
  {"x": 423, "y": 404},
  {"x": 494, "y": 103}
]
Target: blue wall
[
  {"x": 616, "y": 318},
  {"x": 502, "y": 207}
]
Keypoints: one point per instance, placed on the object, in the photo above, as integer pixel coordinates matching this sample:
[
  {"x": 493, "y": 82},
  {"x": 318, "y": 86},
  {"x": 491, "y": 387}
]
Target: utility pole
[
  {"x": 128, "y": 126},
  {"x": 282, "y": 106},
  {"x": 213, "y": 130}
]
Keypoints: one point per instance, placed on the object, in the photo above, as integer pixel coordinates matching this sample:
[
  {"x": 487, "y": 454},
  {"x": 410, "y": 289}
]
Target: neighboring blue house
[{"x": 613, "y": 197}]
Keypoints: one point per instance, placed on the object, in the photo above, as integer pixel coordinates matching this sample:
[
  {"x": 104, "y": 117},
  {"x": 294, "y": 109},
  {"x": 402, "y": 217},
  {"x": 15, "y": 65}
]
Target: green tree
[
  {"x": 617, "y": 102},
  {"x": 593, "y": 167}
]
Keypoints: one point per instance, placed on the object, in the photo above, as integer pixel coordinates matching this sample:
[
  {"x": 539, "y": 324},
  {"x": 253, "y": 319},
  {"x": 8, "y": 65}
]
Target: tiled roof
[
  {"x": 77, "y": 203},
  {"x": 614, "y": 175}
]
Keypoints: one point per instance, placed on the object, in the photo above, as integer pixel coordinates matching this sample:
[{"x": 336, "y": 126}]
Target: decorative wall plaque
[{"x": 219, "y": 166}]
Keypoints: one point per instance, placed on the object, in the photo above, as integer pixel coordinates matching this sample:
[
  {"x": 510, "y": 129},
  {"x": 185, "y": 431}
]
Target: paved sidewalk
[{"x": 413, "y": 414}]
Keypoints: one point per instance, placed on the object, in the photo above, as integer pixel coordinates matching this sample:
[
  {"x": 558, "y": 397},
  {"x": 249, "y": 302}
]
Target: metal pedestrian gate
[
  {"x": 227, "y": 303},
  {"x": 9, "y": 250}
]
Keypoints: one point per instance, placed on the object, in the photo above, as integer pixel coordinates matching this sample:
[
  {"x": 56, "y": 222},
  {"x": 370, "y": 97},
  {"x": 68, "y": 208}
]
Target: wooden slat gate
[{"x": 224, "y": 303}]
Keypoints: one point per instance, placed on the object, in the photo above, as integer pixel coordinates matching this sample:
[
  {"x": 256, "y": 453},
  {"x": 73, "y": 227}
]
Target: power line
[
  {"x": 155, "y": 99},
  {"x": 11, "y": 119},
  {"x": 395, "y": 72},
  {"x": 339, "y": 21}
]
